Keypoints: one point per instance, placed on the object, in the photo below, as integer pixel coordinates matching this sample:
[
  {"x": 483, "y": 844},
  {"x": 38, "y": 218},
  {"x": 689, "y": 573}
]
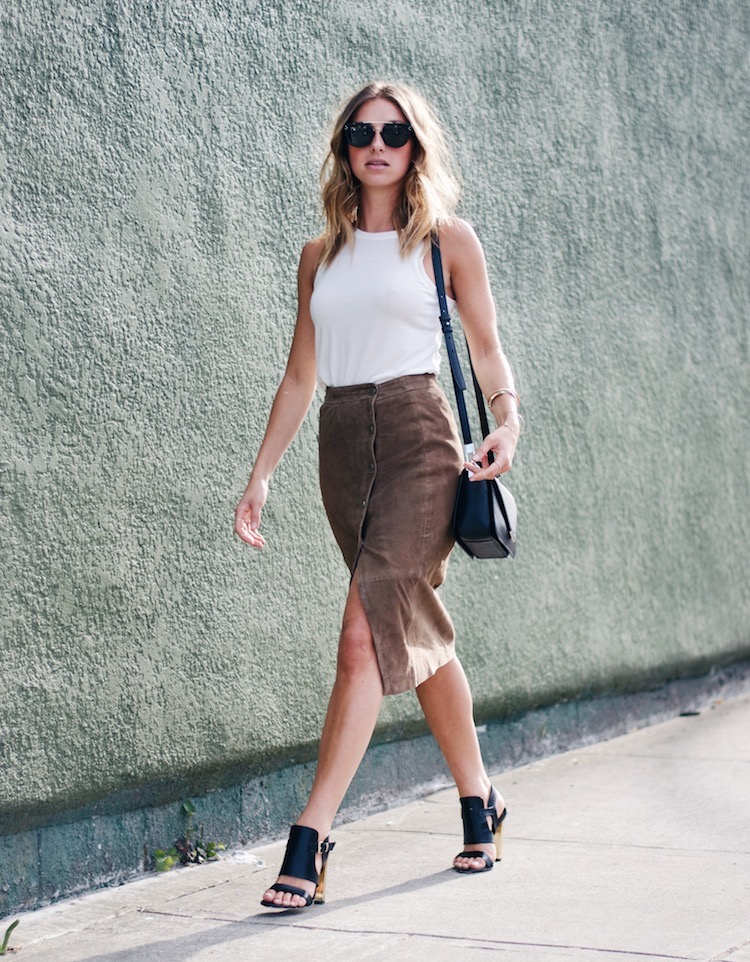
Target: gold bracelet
[
  {"x": 521, "y": 425},
  {"x": 503, "y": 390}
]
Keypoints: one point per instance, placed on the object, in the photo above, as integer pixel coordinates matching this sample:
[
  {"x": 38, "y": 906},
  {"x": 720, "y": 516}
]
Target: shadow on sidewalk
[{"x": 224, "y": 931}]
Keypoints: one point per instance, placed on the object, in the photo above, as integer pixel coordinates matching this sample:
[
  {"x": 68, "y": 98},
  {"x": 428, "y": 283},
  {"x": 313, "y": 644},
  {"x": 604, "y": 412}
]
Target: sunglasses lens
[
  {"x": 359, "y": 135},
  {"x": 396, "y": 135}
]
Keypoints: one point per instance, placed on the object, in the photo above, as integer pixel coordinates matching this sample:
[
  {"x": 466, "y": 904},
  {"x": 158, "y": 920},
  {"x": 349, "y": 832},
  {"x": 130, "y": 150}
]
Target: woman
[{"x": 367, "y": 328}]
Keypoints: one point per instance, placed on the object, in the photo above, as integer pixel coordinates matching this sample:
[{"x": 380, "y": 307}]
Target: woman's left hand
[{"x": 502, "y": 442}]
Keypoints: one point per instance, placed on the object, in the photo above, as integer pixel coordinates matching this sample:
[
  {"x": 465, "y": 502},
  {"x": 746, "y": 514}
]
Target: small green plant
[
  {"x": 190, "y": 848},
  {"x": 4, "y": 946}
]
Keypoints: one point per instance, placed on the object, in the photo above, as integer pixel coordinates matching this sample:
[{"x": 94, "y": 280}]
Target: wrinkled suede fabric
[{"x": 390, "y": 458}]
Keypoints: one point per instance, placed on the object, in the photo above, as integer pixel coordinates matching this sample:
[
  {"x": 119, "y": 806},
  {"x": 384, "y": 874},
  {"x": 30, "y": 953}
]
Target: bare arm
[
  {"x": 290, "y": 405},
  {"x": 465, "y": 265}
]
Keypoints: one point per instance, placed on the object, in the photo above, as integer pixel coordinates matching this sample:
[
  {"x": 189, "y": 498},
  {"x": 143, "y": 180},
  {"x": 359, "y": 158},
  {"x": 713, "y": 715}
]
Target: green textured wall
[{"x": 158, "y": 176}]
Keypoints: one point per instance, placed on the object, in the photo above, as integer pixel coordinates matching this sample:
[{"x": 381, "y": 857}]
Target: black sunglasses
[{"x": 359, "y": 134}]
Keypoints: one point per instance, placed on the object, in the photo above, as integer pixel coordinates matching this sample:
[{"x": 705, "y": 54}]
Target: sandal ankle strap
[
  {"x": 301, "y": 849},
  {"x": 474, "y": 814}
]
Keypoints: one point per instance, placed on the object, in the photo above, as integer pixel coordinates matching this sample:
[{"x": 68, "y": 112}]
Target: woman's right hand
[{"x": 248, "y": 511}]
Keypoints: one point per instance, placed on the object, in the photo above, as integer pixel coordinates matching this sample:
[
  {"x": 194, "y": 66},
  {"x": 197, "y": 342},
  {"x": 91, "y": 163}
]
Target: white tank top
[{"x": 376, "y": 314}]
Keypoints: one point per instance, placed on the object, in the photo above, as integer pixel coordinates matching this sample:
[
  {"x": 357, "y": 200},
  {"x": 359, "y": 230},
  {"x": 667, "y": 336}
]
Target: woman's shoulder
[
  {"x": 312, "y": 250},
  {"x": 459, "y": 241},
  {"x": 456, "y": 231},
  {"x": 310, "y": 257}
]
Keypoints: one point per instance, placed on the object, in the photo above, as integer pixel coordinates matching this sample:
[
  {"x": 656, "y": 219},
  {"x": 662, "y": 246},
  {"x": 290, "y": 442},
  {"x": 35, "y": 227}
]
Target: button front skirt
[{"x": 390, "y": 458}]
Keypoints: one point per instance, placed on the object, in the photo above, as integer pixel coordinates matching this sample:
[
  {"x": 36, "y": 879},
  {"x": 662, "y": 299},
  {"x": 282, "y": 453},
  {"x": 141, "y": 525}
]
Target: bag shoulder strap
[{"x": 459, "y": 384}]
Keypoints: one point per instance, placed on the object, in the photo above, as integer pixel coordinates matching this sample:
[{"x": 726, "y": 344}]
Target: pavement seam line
[
  {"x": 274, "y": 921},
  {"x": 559, "y": 841},
  {"x": 724, "y": 956},
  {"x": 199, "y": 891},
  {"x": 670, "y": 758},
  {"x": 83, "y": 927}
]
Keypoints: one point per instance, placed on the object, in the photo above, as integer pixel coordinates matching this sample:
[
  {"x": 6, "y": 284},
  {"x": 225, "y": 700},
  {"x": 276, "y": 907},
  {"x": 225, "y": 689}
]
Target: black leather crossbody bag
[{"x": 485, "y": 512}]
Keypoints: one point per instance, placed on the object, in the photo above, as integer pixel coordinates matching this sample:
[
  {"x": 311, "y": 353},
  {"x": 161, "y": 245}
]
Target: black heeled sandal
[
  {"x": 299, "y": 862},
  {"x": 474, "y": 815}
]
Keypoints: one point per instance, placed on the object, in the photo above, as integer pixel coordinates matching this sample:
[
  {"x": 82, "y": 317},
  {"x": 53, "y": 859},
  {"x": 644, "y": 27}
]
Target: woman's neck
[{"x": 375, "y": 214}]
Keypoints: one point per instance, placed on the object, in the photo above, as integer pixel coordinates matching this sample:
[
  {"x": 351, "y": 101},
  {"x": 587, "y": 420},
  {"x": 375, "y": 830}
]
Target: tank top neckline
[{"x": 376, "y": 234}]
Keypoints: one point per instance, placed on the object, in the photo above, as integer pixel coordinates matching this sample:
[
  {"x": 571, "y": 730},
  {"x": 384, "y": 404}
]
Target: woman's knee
[{"x": 356, "y": 653}]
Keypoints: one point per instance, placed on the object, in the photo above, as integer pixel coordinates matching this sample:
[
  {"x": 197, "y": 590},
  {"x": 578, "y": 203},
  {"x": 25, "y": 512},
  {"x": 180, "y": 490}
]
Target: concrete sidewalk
[{"x": 634, "y": 849}]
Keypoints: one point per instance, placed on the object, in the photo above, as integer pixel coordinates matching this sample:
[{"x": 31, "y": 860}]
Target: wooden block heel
[
  {"x": 320, "y": 888},
  {"x": 499, "y": 835}
]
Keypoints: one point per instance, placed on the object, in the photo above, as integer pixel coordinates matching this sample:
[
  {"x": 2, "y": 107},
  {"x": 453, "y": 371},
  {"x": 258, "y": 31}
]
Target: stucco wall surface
[{"x": 158, "y": 176}]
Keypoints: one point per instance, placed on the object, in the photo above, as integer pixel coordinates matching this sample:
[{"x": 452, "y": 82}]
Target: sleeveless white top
[{"x": 375, "y": 313}]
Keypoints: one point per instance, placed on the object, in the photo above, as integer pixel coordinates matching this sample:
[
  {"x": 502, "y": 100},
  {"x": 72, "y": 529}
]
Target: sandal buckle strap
[
  {"x": 474, "y": 813},
  {"x": 301, "y": 849}
]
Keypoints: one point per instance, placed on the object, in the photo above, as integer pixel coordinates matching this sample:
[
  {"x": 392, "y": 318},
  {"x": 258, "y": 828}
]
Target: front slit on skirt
[{"x": 390, "y": 458}]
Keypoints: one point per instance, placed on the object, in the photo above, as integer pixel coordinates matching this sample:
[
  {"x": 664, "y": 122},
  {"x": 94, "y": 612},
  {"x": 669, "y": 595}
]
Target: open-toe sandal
[
  {"x": 299, "y": 862},
  {"x": 477, "y": 831}
]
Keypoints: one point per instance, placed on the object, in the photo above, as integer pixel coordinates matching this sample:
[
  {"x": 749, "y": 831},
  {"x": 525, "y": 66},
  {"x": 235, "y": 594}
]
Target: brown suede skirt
[{"x": 390, "y": 458}]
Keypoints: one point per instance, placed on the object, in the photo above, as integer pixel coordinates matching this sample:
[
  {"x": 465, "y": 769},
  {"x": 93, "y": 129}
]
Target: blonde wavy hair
[{"x": 431, "y": 187}]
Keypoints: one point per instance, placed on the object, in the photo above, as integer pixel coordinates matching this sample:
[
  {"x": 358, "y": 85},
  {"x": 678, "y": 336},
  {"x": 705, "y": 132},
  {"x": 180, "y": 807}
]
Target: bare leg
[
  {"x": 352, "y": 712},
  {"x": 448, "y": 707}
]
